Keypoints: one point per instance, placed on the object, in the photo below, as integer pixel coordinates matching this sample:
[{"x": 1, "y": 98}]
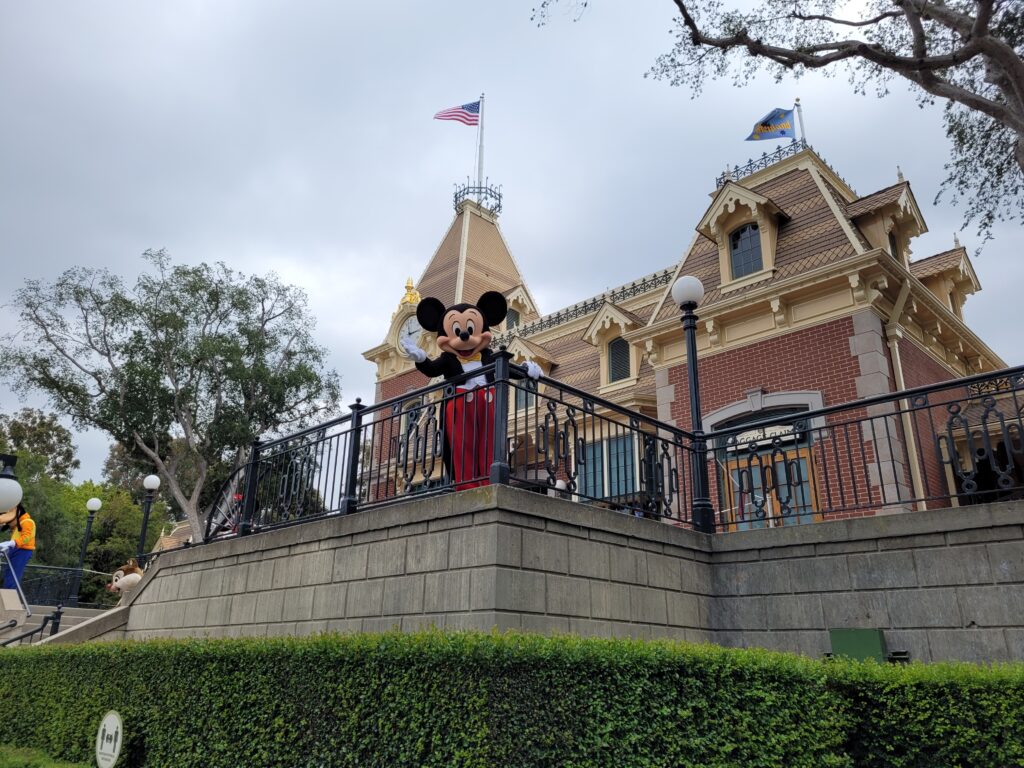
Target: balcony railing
[{"x": 950, "y": 444}]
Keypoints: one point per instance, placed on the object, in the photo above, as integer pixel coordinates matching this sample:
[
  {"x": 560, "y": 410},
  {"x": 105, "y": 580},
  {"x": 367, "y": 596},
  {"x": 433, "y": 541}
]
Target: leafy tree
[
  {"x": 201, "y": 355},
  {"x": 115, "y": 531},
  {"x": 125, "y": 469},
  {"x": 967, "y": 53},
  {"x": 58, "y": 533},
  {"x": 41, "y": 434}
]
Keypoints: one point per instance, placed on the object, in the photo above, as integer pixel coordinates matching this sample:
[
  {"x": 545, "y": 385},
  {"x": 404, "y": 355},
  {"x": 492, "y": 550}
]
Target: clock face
[{"x": 410, "y": 330}]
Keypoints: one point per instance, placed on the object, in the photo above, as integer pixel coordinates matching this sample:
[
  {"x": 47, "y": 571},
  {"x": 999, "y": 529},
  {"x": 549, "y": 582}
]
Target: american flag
[{"x": 469, "y": 114}]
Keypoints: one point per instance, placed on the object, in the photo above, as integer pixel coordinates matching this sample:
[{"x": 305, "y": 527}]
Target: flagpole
[
  {"x": 800, "y": 117},
  {"x": 480, "y": 150}
]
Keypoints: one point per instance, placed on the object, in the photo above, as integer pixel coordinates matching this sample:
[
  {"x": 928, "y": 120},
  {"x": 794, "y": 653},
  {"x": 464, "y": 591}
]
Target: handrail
[
  {"x": 17, "y": 583},
  {"x": 888, "y": 397},
  {"x": 53, "y": 618}
]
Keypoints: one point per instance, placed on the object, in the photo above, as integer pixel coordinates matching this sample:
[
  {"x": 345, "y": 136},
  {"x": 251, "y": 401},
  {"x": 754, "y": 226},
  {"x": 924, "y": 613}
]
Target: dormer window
[
  {"x": 511, "y": 319},
  {"x": 744, "y": 224},
  {"x": 745, "y": 251},
  {"x": 618, "y": 360}
]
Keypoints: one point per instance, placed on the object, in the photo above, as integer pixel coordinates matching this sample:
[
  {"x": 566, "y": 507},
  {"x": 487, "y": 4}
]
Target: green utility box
[{"x": 859, "y": 644}]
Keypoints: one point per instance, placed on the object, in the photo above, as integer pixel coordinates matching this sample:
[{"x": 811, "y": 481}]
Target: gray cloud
[{"x": 297, "y": 137}]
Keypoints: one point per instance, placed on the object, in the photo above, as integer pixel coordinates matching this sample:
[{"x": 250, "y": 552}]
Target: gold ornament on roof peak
[{"x": 412, "y": 296}]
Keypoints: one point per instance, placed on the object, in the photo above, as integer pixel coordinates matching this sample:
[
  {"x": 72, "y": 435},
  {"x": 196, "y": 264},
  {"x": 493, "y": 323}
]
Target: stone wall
[
  {"x": 943, "y": 584},
  {"x": 487, "y": 558}
]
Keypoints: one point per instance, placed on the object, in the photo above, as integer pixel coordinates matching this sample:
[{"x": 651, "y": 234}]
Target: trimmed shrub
[{"x": 437, "y": 699}]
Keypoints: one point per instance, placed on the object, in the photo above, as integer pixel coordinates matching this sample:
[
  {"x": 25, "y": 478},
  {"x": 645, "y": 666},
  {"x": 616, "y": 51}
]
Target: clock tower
[{"x": 472, "y": 258}]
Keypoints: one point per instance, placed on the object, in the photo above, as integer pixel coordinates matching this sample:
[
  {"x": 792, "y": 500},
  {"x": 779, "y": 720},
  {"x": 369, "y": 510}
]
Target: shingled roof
[
  {"x": 876, "y": 200},
  {"x": 812, "y": 236},
  {"x": 939, "y": 263},
  {"x": 471, "y": 259}
]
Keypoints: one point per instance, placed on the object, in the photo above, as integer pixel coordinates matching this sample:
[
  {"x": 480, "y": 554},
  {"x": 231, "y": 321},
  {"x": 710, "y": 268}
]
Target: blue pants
[{"x": 19, "y": 559}]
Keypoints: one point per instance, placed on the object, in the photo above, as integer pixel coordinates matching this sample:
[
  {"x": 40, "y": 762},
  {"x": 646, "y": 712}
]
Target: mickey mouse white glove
[
  {"x": 417, "y": 354},
  {"x": 533, "y": 370},
  {"x": 7, "y": 546}
]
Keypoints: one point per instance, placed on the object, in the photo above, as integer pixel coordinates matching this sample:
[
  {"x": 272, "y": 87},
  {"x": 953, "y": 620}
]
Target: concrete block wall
[
  {"x": 488, "y": 558},
  {"x": 943, "y": 584}
]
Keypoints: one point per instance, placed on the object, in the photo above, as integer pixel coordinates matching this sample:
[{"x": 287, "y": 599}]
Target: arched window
[
  {"x": 511, "y": 319},
  {"x": 745, "y": 251},
  {"x": 618, "y": 360}
]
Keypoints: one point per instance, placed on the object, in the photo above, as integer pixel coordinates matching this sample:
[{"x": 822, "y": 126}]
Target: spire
[
  {"x": 899, "y": 174},
  {"x": 956, "y": 240},
  {"x": 412, "y": 296}
]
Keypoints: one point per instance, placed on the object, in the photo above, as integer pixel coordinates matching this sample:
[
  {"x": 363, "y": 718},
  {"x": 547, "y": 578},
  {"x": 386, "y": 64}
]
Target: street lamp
[
  {"x": 687, "y": 292},
  {"x": 10, "y": 488},
  {"x": 93, "y": 506},
  {"x": 151, "y": 484}
]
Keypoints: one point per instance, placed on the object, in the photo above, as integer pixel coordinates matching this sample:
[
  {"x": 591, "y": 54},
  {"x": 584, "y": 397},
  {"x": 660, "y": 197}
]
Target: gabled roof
[
  {"x": 876, "y": 200},
  {"x": 814, "y": 235},
  {"x": 953, "y": 260},
  {"x": 608, "y": 315},
  {"x": 531, "y": 350},
  {"x": 727, "y": 199},
  {"x": 178, "y": 536}
]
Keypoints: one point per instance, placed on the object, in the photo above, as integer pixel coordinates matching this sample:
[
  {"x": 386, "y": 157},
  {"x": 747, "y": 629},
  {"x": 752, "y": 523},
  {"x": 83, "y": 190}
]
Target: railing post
[
  {"x": 252, "y": 475},
  {"x": 500, "y": 471},
  {"x": 350, "y": 501},
  {"x": 55, "y": 620}
]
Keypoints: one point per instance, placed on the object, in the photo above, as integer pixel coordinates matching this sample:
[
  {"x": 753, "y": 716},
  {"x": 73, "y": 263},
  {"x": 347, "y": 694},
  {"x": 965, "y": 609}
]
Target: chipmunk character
[
  {"x": 125, "y": 578},
  {"x": 464, "y": 337}
]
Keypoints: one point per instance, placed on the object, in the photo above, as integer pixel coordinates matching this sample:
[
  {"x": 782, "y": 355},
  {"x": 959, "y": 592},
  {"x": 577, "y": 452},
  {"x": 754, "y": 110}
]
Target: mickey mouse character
[{"x": 464, "y": 337}]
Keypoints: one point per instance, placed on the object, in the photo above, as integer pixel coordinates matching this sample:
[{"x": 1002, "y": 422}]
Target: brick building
[{"x": 811, "y": 300}]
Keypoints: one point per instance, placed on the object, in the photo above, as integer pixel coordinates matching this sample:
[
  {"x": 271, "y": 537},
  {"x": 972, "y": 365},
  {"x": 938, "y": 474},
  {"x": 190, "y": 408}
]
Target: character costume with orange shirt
[{"x": 21, "y": 545}]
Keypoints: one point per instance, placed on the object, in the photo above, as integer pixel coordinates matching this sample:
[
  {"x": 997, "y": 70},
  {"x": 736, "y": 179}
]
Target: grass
[{"x": 17, "y": 757}]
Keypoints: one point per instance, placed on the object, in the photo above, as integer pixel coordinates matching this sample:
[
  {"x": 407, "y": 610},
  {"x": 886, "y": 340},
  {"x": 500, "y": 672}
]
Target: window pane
[
  {"x": 511, "y": 319},
  {"x": 524, "y": 398},
  {"x": 745, "y": 251},
  {"x": 618, "y": 360},
  {"x": 621, "y": 473},
  {"x": 593, "y": 470}
]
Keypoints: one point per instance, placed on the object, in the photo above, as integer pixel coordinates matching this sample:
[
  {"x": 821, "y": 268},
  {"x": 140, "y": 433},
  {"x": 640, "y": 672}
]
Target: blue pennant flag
[{"x": 777, "y": 124}]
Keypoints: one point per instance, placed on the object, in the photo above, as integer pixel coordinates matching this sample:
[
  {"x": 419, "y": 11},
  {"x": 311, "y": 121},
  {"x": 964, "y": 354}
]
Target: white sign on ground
[{"x": 109, "y": 738}]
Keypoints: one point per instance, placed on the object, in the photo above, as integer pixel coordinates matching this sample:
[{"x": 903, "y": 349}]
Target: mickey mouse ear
[
  {"x": 493, "y": 307},
  {"x": 430, "y": 313}
]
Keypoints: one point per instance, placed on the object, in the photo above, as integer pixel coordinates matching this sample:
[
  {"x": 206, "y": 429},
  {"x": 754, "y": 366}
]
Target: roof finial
[
  {"x": 899, "y": 174},
  {"x": 956, "y": 239},
  {"x": 412, "y": 296}
]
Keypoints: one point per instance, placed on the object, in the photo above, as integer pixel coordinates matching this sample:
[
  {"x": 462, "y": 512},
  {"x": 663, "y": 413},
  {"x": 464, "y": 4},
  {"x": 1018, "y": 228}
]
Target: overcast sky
[{"x": 296, "y": 137}]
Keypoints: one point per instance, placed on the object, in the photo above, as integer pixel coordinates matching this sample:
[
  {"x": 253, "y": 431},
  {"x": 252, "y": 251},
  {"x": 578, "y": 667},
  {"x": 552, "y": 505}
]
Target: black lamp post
[
  {"x": 687, "y": 292},
  {"x": 151, "y": 484},
  {"x": 93, "y": 506}
]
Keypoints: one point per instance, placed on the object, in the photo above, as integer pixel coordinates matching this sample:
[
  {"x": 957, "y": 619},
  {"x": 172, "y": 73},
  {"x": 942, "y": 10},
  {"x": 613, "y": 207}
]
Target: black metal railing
[
  {"x": 448, "y": 437},
  {"x": 50, "y": 585},
  {"x": 950, "y": 444},
  {"x": 766, "y": 159},
  {"x": 955, "y": 443},
  {"x": 50, "y": 621},
  {"x": 488, "y": 195},
  {"x": 589, "y": 306}
]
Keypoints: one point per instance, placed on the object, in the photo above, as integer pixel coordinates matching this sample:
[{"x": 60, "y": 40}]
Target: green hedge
[{"x": 438, "y": 699}]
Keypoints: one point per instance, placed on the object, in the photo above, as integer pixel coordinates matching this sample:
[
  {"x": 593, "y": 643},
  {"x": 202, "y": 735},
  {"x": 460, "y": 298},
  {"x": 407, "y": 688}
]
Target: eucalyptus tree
[
  {"x": 187, "y": 366},
  {"x": 966, "y": 54}
]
